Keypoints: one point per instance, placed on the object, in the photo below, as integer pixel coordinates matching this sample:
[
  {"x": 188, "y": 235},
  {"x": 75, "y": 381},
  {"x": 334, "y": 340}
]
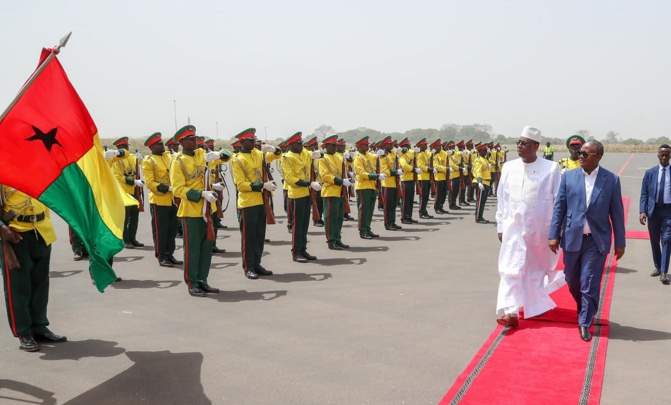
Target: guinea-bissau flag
[{"x": 51, "y": 151}]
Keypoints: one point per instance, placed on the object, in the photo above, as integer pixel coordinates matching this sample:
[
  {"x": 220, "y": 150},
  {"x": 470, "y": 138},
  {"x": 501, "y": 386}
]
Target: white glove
[
  {"x": 346, "y": 183},
  {"x": 170, "y": 189},
  {"x": 450, "y": 169},
  {"x": 380, "y": 152},
  {"x": 450, "y": 152},
  {"x": 139, "y": 183},
  {"x": 435, "y": 171},
  {"x": 315, "y": 186},
  {"x": 212, "y": 156},
  {"x": 416, "y": 149},
  {"x": 481, "y": 186},
  {"x": 488, "y": 150},
  {"x": 111, "y": 154},
  {"x": 218, "y": 186},
  {"x": 433, "y": 151},
  {"x": 316, "y": 154},
  {"x": 266, "y": 147},
  {"x": 464, "y": 170},
  {"x": 399, "y": 150},
  {"x": 270, "y": 186},
  {"x": 138, "y": 156},
  {"x": 399, "y": 172},
  {"x": 418, "y": 170},
  {"x": 464, "y": 152},
  {"x": 382, "y": 176},
  {"x": 346, "y": 155},
  {"x": 351, "y": 175},
  {"x": 210, "y": 196},
  {"x": 563, "y": 170}
]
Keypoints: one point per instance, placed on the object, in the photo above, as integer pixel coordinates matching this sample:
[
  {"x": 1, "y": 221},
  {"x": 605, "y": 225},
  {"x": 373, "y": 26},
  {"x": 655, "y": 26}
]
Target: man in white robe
[{"x": 527, "y": 189}]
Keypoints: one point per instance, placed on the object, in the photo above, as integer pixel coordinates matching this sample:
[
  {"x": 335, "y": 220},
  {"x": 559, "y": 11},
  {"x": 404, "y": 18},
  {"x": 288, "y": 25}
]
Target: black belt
[
  {"x": 586, "y": 235},
  {"x": 663, "y": 205},
  {"x": 30, "y": 218}
]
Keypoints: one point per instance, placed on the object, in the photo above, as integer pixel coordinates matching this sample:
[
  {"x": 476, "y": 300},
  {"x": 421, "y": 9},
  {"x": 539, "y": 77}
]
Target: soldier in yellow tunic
[
  {"x": 469, "y": 183},
  {"x": 218, "y": 186},
  {"x": 482, "y": 172},
  {"x": 247, "y": 167},
  {"x": 30, "y": 233},
  {"x": 389, "y": 191},
  {"x": 331, "y": 173},
  {"x": 573, "y": 143},
  {"x": 312, "y": 145},
  {"x": 156, "y": 170},
  {"x": 285, "y": 187},
  {"x": 297, "y": 166},
  {"x": 124, "y": 170},
  {"x": 424, "y": 177},
  {"x": 187, "y": 177},
  {"x": 366, "y": 175},
  {"x": 173, "y": 148},
  {"x": 406, "y": 161},
  {"x": 341, "y": 150},
  {"x": 442, "y": 166}
]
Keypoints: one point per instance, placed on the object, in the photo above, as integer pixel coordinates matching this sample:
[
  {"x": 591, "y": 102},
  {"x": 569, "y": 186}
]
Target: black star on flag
[{"x": 49, "y": 138}]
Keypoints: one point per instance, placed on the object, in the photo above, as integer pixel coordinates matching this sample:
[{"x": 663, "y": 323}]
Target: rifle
[
  {"x": 139, "y": 195},
  {"x": 418, "y": 190},
  {"x": 217, "y": 178},
  {"x": 344, "y": 189},
  {"x": 378, "y": 183},
  {"x": 267, "y": 176},
  {"x": 351, "y": 188},
  {"x": 462, "y": 183},
  {"x": 447, "y": 174},
  {"x": 313, "y": 195},
  {"x": 207, "y": 208},
  {"x": 399, "y": 190},
  {"x": 432, "y": 177},
  {"x": 12, "y": 263}
]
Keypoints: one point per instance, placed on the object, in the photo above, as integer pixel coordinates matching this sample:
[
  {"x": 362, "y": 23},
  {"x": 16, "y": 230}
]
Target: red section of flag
[{"x": 48, "y": 129}]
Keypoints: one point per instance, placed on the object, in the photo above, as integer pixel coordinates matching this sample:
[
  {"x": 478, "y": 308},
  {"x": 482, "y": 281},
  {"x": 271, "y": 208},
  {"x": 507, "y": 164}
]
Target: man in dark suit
[
  {"x": 589, "y": 200},
  {"x": 655, "y": 208}
]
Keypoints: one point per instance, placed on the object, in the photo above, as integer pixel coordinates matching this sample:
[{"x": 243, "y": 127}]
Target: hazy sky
[{"x": 290, "y": 65}]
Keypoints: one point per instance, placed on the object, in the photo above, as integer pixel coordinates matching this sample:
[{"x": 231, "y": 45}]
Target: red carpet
[
  {"x": 544, "y": 360},
  {"x": 637, "y": 235}
]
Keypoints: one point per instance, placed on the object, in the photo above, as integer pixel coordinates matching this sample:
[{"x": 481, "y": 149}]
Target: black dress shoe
[
  {"x": 137, "y": 244},
  {"x": 656, "y": 273},
  {"x": 28, "y": 344},
  {"x": 455, "y": 207},
  {"x": 179, "y": 236},
  {"x": 209, "y": 289},
  {"x": 50, "y": 337},
  {"x": 300, "y": 259},
  {"x": 664, "y": 278},
  {"x": 414, "y": 221},
  {"x": 397, "y": 227},
  {"x": 389, "y": 228},
  {"x": 374, "y": 235},
  {"x": 319, "y": 223},
  {"x": 425, "y": 216},
  {"x": 78, "y": 257},
  {"x": 217, "y": 250},
  {"x": 308, "y": 256},
  {"x": 129, "y": 245},
  {"x": 266, "y": 240},
  {"x": 334, "y": 246},
  {"x": 289, "y": 229},
  {"x": 365, "y": 236},
  {"x": 348, "y": 218},
  {"x": 342, "y": 245},
  {"x": 262, "y": 271},
  {"x": 172, "y": 260},
  {"x": 584, "y": 333},
  {"x": 406, "y": 221},
  {"x": 165, "y": 263},
  {"x": 482, "y": 221},
  {"x": 221, "y": 226},
  {"x": 251, "y": 274},
  {"x": 197, "y": 292},
  {"x": 117, "y": 280},
  {"x": 464, "y": 203}
]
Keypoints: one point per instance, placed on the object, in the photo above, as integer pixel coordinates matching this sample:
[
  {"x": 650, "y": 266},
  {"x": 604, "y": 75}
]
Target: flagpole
[{"x": 31, "y": 79}]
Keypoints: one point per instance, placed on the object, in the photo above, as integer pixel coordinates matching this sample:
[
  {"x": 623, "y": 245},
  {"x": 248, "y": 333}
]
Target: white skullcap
[{"x": 532, "y": 133}]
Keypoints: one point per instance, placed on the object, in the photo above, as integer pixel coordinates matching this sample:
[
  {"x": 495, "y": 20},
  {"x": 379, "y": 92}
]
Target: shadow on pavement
[
  {"x": 279, "y": 243},
  {"x": 37, "y": 395},
  {"x": 406, "y": 229},
  {"x": 64, "y": 273},
  {"x": 620, "y": 332},
  {"x": 126, "y": 259},
  {"x": 340, "y": 261},
  {"x": 79, "y": 349},
  {"x": 624, "y": 270},
  {"x": 127, "y": 284},
  {"x": 223, "y": 265},
  {"x": 400, "y": 238},
  {"x": 368, "y": 249},
  {"x": 155, "y": 378},
  {"x": 244, "y": 295},
  {"x": 294, "y": 277}
]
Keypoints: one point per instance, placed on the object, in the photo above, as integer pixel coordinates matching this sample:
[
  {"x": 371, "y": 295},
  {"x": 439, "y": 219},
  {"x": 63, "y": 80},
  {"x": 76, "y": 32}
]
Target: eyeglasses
[
  {"x": 585, "y": 154},
  {"x": 525, "y": 144}
]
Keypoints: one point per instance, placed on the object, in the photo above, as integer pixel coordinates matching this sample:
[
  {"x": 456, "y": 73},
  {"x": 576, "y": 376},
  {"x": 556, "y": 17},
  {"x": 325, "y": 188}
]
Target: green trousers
[
  {"x": 441, "y": 194},
  {"x": 27, "y": 288},
  {"x": 408, "y": 198},
  {"x": 425, "y": 187},
  {"x": 456, "y": 184},
  {"x": 76, "y": 242},
  {"x": 252, "y": 235},
  {"x": 163, "y": 230},
  {"x": 197, "y": 251},
  {"x": 130, "y": 224},
  {"x": 480, "y": 201},
  {"x": 334, "y": 208},
  {"x": 390, "y": 198},
  {"x": 365, "y": 200},
  {"x": 300, "y": 217}
]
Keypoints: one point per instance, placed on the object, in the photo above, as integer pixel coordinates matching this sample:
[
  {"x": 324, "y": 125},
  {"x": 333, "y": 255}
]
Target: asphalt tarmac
[{"x": 393, "y": 320}]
